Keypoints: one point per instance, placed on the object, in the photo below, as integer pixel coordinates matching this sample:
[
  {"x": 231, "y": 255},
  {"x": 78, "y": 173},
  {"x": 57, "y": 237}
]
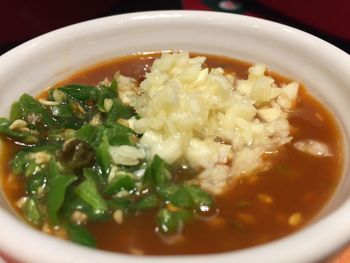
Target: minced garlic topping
[{"x": 219, "y": 124}]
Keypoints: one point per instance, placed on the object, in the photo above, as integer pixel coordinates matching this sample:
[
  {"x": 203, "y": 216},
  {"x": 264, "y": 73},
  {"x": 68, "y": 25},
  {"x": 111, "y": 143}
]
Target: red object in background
[
  {"x": 21, "y": 20},
  {"x": 194, "y": 5},
  {"x": 329, "y": 17}
]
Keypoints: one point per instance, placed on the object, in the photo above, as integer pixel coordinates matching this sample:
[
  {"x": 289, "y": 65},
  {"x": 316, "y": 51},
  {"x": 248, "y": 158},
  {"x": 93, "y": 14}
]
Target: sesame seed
[
  {"x": 123, "y": 122},
  {"x": 137, "y": 251},
  {"x": 171, "y": 207},
  {"x": 118, "y": 216},
  {"x": 20, "y": 202},
  {"x": 246, "y": 218},
  {"x": 81, "y": 109},
  {"x": 40, "y": 157},
  {"x": 96, "y": 120},
  {"x": 265, "y": 198},
  {"x": 295, "y": 219},
  {"x": 58, "y": 95},
  {"x": 24, "y": 129},
  {"x": 108, "y": 103},
  {"x": 18, "y": 124},
  {"x": 79, "y": 217},
  {"x": 48, "y": 103}
]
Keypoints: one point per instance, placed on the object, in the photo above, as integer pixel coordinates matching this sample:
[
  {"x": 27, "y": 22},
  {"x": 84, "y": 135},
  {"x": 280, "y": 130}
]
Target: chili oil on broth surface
[{"x": 254, "y": 210}]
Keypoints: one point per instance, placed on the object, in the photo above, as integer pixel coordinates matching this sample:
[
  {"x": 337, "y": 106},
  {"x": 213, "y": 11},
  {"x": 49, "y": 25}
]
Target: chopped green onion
[
  {"x": 103, "y": 156},
  {"x": 149, "y": 201},
  {"x": 88, "y": 192},
  {"x": 171, "y": 222},
  {"x": 187, "y": 196},
  {"x": 57, "y": 190},
  {"x": 80, "y": 235},
  {"x": 157, "y": 173},
  {"x": 34, "y": 112},
  {"x": 31, "y": 211},
  {"x": 122, "y": 181},
  {"x": 80, "y": 92},
  {"x": 118, "y": 110}
]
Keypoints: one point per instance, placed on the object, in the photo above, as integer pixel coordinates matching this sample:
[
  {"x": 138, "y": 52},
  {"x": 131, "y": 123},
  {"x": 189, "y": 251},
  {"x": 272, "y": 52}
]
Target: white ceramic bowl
[{"x": 323, "y": 68}]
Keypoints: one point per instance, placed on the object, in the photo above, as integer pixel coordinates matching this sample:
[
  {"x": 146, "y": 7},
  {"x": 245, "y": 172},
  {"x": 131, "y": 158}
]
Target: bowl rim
[{"x": 280, "y": 249}]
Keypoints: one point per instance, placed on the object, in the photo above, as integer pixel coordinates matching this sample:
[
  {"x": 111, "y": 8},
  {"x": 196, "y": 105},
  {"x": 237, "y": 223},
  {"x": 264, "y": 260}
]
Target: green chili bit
[{"x": 64, "y": 160}]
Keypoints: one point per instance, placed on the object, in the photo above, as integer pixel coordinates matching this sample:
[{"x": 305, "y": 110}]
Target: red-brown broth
[{"x": 297, "y": 183}]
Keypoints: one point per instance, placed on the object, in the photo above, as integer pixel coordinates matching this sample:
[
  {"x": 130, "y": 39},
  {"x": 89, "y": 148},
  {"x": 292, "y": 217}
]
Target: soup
[{"x": 154, "y": 203}]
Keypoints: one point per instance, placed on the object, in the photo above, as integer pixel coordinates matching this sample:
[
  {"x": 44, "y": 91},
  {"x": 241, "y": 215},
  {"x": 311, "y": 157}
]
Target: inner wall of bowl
[{"x": 53, "y": 57}]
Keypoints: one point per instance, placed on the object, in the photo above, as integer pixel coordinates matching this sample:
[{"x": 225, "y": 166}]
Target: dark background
[{"x": 22, "y": 20}]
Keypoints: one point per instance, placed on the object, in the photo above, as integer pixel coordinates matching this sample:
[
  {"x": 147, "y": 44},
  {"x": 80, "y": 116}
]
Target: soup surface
[{"x": 254, "y": 209}]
